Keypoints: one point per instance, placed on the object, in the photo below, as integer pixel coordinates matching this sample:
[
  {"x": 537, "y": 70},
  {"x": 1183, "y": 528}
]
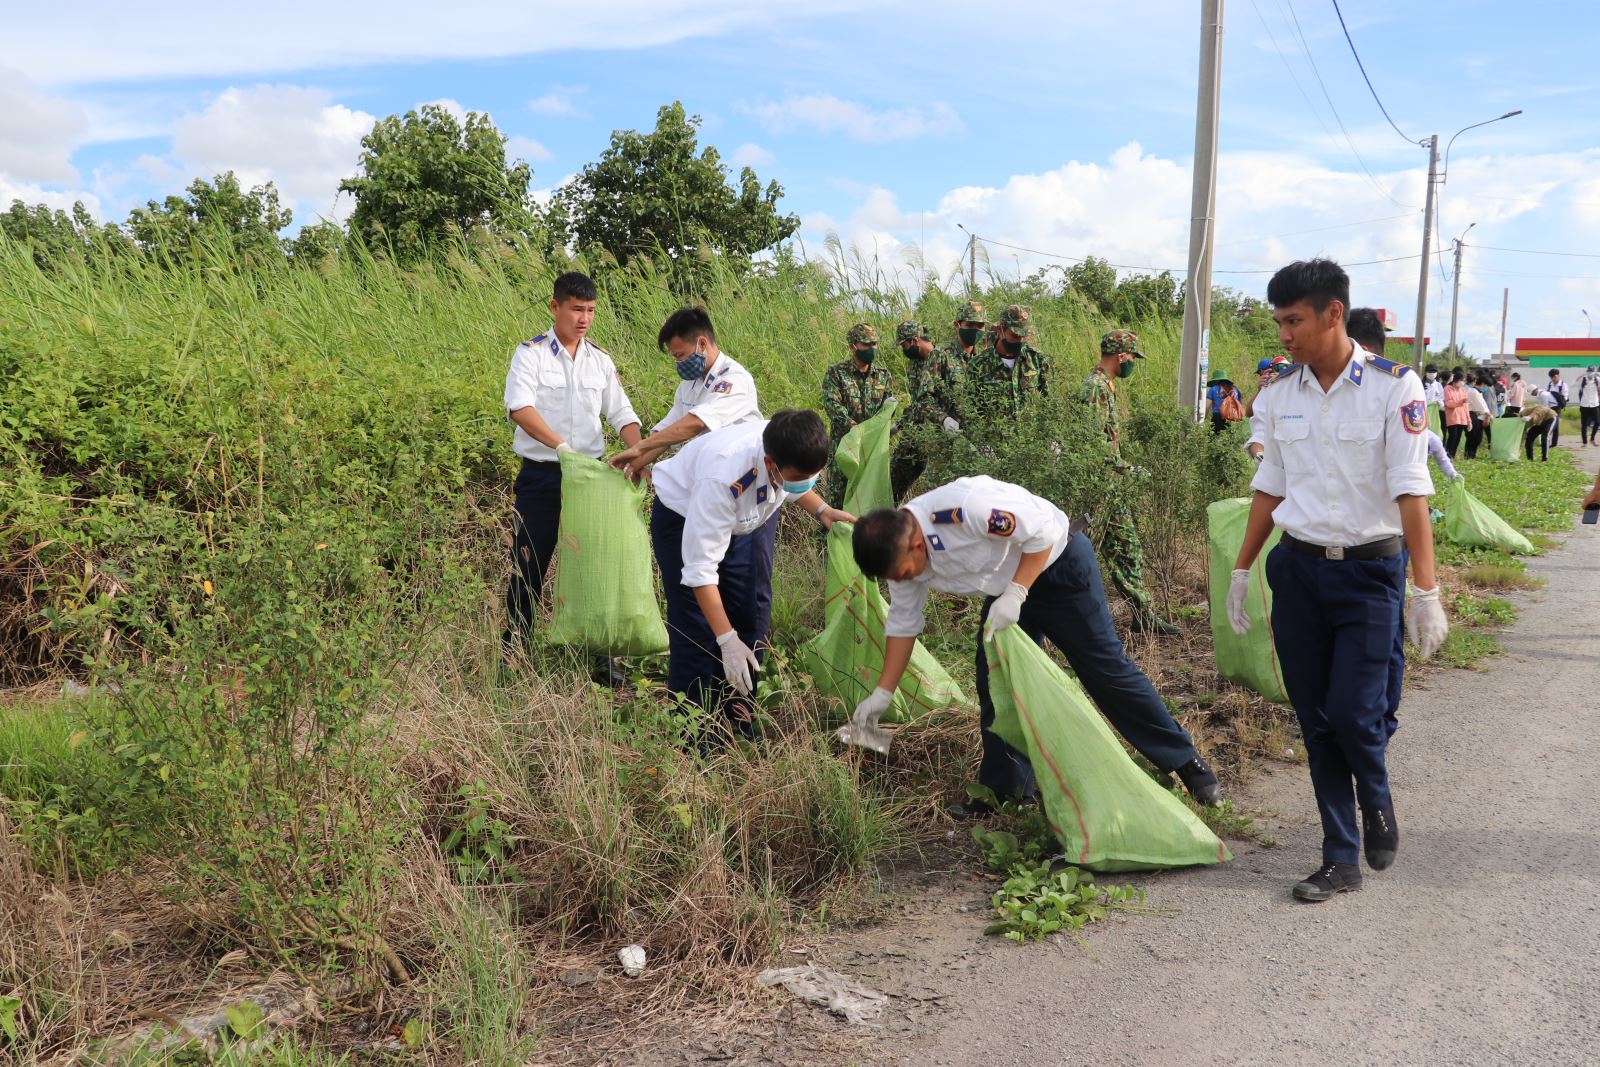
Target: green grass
[
  {"x": 1467, "y": 649},
  {"x": 1482, "y": 610}
]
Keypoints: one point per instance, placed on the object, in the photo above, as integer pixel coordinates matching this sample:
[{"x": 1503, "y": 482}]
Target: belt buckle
[{"x": 1335, "y": 552}]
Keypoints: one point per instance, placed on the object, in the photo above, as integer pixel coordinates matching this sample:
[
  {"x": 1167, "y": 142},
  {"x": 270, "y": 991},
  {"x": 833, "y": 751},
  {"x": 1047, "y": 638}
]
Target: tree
[
  {"x": 178, "y": 228},
  {"x": 1095, "y": 281},
  {"x": 651, "y": 194},
  {"x": 57, "y": 237},
  {"x": 315, "y": 245},
  {"x": 426, "y": 177}
]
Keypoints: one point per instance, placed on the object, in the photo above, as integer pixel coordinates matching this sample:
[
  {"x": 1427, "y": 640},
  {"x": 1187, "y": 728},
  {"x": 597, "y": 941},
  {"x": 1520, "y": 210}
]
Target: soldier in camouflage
[
  {"x": 852, "y": 391},
  {"x": 1008, "y": 373},
  {"x": 1120, "y": 538},
  {"x": 936, "y": 381},
  {"x": 969, "y": 323}
]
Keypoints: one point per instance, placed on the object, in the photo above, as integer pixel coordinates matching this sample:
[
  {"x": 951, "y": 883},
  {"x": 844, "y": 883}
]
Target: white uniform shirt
[
  {"x": 1433, "y": 392},
  {"x": 1589, "y": 391},
  {"x": 1476, "y": 404},
  {"x": 719, "y": 483},
  {"x": 725, "y": 395},
  {"x": 571, "y": 394},
  {"x": 977, "y": 530},
  {"x": 1340, "y": 459}
]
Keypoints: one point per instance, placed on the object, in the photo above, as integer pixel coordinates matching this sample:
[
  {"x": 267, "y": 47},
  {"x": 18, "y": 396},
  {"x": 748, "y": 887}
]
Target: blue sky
[{"x": 1061, "y": 128}]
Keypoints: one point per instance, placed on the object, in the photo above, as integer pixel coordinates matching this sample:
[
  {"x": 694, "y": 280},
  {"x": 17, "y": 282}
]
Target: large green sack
[
  {"x": 1436, "y": 419},
  {"x": 1108, "y": 814},
  {"x": 1251, "y": 660},
  {"x": 605, "y": 593},
  {"x": 1505, "y": 445},
  {"x": 846, "y": 658},
  {"x": 1469, "y": 521}
]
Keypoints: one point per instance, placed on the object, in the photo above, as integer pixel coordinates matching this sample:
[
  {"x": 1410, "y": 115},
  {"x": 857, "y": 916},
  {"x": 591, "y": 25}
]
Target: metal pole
[
  {"x": 1455, "y": 300},
  {"x": 1418, "y": 350},
  {"x": 1505, "y": 307},
  {"x": 1202, "y": 210},
  {"x": 972, "y": 262}
]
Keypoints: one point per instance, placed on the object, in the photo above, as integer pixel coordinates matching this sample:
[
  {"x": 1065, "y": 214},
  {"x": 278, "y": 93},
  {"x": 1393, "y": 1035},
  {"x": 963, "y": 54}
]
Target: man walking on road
[
  {"x": 1589, "y": 407},
  {"x": 1345, "y": 476},
  {"x": 1556, "y": 391}
]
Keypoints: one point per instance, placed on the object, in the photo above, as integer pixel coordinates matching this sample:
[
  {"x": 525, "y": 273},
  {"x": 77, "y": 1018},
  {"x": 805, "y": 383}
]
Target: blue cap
[{"x": 1263, "y": 363}]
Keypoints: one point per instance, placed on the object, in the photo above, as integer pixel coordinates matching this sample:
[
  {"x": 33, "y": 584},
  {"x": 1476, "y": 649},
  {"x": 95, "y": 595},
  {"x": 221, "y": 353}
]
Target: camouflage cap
[
  {"x": 1117, "y": 342},
  {"x": 1018, "y": 318},
  {"x": 861, "y": 334},
  {"x": 971, "y": 311},
  {"x": 910, "y": 330}
]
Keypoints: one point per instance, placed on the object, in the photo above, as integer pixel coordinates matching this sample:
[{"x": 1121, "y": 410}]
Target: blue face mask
[
  {"x": 799, "y": 488},
  {"x": 692, "y": 367}
]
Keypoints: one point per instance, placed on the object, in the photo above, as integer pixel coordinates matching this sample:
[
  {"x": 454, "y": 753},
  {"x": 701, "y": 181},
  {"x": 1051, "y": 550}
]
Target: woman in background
[{"x": 1457, "y": 416}]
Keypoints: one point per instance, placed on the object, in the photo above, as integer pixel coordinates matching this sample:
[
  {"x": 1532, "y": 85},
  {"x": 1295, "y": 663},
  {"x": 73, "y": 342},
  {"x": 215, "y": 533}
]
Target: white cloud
[
  {"x": 31, "y": 194},
  {"x": 38, "y": 132},
  {"x": 295, "y": 137},
  {"x": 557, "y": 103},
  {"x": 449, "y": 104},
  {"x": 526, "y": 148},
  {"x": 750, "y": 155},
  {"x": 829, "y": 114}
]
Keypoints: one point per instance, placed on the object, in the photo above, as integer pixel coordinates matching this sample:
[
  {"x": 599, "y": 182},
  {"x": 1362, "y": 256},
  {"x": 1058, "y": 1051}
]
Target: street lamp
[
  {"x": 972, "y": 257},
  {"x": 1455, "y": 296},
  {"x": 1432, "y": 145},
  {"x": 1590, "y": 331}
]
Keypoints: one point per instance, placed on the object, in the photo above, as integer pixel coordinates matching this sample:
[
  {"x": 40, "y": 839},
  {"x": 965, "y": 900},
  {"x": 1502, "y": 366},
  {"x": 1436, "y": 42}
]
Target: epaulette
[
  {"x": 947, "y": 517},
  {"x": 746, "y": 480},
  {"x": 1288, "y": 372},
  {"x": 596, "y": 347},
  {"x": 1388, "y": 366},
  {"x": 535, "y": 340}
]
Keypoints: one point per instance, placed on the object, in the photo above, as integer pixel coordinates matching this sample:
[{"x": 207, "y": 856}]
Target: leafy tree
[
  {"x": 651, "y": 193},
  {"x": 425, "y": 177},
  {"x": 179, "y": 227},
  {"x": 315, "y": 245},
  {"x": 58, "y": 237},
  {"x": 1095, "y": 280},
  {"x": 1146, "y": 296}
]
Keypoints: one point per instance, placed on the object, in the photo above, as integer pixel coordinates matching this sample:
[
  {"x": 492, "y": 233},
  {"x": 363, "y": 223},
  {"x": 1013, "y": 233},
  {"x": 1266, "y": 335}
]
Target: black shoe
[
  {"x": 607, "y": 671},
  {"x": 1381, "y": 836},
  {"x": 971, "y": 809},
  {"x": 1327, "y": 880},
  {"x": 1201, "y": 782}
]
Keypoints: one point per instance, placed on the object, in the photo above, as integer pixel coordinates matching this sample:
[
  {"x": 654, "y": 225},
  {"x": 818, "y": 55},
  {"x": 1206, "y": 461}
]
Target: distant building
[{"x": 1566, "y": 354}]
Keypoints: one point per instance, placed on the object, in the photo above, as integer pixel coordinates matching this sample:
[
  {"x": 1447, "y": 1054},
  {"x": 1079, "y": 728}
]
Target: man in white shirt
[
  {"x": 1516, "y": 395},
  {"x": 1345, "y": 477},
  {"x": 558, "y": 388},
  {"x": 713, "y": 500},
  {"x": 1589, "y": 407},
  {"x": 982, "y": 537}
]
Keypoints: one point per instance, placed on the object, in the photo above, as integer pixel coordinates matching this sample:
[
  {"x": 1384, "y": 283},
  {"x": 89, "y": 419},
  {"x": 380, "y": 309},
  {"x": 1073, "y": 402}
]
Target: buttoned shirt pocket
[
  {"x": 1294, "y": 444},
  {"x": 1359, "y": 445}
]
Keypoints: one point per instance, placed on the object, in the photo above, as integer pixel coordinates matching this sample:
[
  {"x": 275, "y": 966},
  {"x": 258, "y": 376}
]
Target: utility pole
[
  {"x": 1419, "y": 350},
  {"x": 1455, "y": 299},
  {"x": 1505, "y": 306},
  {"x": 972, "y": 262},
  {"x": 1202, "y": 210}
]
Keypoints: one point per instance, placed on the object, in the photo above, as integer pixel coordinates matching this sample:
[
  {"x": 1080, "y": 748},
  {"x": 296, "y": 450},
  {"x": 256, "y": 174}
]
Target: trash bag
[
  {"x": 846, "y": 658},
  {"x": 1108, "y": 814},
  {"x": 1436, "y": 419},
  {"x": 1251, "y": 660},
  {"x": 605, "y": 592},
  {"x": 1469, "y": 521},
  {"x": 1505, "y": 445}
]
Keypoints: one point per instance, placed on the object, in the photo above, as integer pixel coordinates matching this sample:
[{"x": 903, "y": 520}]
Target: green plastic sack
[
  {"x": 1251, "y": 660},
  {"x": 1505, "y": 445},
  {"x": 846, "y": 658},
  {"x": 1108, "y": 814},
  {"x": 1436, "y": 419},
  {"x": 605, "y": 593},
  {"x": 1469, "y": 521}
]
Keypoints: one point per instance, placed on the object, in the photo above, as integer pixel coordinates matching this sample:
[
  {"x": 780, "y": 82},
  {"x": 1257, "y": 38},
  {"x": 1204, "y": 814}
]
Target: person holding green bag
[{"x": 979, "y": 536}]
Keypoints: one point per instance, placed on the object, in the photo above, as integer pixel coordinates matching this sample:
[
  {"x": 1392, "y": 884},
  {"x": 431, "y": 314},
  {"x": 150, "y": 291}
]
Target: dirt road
[{"x": 1481, "y": 945}]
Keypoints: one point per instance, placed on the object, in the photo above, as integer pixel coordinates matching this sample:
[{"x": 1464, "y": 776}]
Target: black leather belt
[{"x": 1389, "y": 546}]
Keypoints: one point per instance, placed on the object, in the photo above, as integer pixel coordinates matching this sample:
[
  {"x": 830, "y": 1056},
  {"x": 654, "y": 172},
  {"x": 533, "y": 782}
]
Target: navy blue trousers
[
  {"x": 744, "y": 579},
  {"x": 1338, "y": 625},
  {"x": 1068, "y": 605},
  {"x": 533, "y": 544}
]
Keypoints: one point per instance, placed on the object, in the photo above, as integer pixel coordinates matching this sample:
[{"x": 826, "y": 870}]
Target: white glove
[
  {"x": 563, "y": 447},
  {"x": 1238, "y": 590},
  {"x": 951, "y": 426},
  {"x": 1005, "y": 611},
  {"x": 863, "y": 729},
  {"x": 739, "y": 664},
  {"x": 1426, "y": 624}
]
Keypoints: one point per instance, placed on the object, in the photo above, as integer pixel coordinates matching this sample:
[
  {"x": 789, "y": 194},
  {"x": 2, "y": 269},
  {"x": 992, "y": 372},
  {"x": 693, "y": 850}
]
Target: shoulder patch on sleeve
[
  {"x": 746, "y": 480},
  {"x": 1002, "y": 523},
  {"x": 1388, "y": 366},
  {"x": 947, "y": 517},
  {"x": 1414, "y": 416},
  {"x": 723, "y": 386}
]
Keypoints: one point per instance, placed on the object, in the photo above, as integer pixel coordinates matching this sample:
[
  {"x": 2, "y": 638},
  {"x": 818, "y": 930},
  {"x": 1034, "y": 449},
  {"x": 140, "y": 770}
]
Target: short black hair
[
  {"x": 573, "y": 285},
  {"x": 1554, "y": 372},
  {"x": 1317, "y": 281},
  {"x": 1366, "y": 329},
  {"x": 1516, "y": 377},
  {"x": 879, "y": 539},
  {"x": 796, "y": 440},
  {"x": 686, "y": 324}
]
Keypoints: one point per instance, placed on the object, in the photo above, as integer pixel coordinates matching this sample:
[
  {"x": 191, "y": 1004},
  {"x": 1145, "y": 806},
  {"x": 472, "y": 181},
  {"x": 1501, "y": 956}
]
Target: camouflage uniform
[
  {"x": 1119, "y": 542},
  {"x": 850, "y": 396},
  {"x": 954, "y": 350},
  {"x": 999, "y": 393},
  {"x": 937, "y": 386}
]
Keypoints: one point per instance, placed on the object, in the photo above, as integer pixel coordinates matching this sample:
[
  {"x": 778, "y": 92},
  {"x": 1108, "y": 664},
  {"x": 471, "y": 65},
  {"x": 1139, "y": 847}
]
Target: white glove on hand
[
  {"x": 1238, "y": 590},
  {"x": 863, "y": 729},
  {"x": 951, "y": 426},
  {"x": 739, "y": 664},
  {"x": 1005, "y": 611},
  {"x": 1426, "y": 624},
  {"x": 563, "y": 447}
]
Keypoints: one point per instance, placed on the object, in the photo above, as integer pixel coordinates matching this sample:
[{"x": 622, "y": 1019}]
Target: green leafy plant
[{"x": 1035, "y": 902}]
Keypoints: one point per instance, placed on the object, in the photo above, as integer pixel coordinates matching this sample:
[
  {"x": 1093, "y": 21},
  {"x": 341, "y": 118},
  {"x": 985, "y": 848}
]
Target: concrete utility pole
[
  {"x": 1418, "y": 349},
  {"x": 1202, "y": 210},
  {"x": 972, "y": 261},
  {"x": 1505, "y": 306},
  {"x": 1455, "y": 293}
]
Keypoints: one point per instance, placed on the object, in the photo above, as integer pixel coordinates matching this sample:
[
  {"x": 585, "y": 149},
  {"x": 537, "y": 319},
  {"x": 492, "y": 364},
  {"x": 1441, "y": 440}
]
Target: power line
[
  {"x": 1362, "y": 67},
  {"x": 1541, "y": 252},
  {"x": 1170, "y": 270}
]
